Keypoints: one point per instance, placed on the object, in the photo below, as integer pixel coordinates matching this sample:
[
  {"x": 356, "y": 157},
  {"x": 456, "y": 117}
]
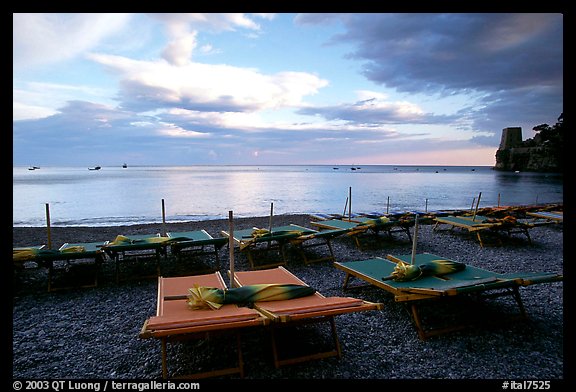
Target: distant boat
[
  {"x": 33, "y": 167},
  {"x": 124, "y": 166},
  {"x": 94, "y": 168}
]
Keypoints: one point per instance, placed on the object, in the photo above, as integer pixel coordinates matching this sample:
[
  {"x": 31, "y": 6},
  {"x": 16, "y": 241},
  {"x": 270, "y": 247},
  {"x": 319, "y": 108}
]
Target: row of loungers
[
  {"x": 201, "y": 306},
  {"x": 121, "y": 249},
  {"x": 257, "y": 243},
  {"x": 254, "y": 242}
]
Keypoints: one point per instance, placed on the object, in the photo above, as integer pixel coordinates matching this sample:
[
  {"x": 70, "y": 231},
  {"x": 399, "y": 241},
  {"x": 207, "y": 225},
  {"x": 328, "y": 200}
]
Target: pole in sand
[
  {"x": 271, "y": 214},
  {"x": 163, "y": 220},
  {"x": 48, "y": 226},
  {"x": 414, "y": 240},
  {"x": 231, "y": 246},
  {"x": 350, "y": 204},
  {"x": 477, "y": 204}
]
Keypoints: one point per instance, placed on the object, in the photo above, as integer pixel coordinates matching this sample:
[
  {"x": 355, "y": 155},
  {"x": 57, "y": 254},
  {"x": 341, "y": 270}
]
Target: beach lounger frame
[
  {"x": 174, "y": 322},
  {"x": 317, "y": 239},
  {"x": 484, "y": 226},
  {"x": 356, "y": 228},
  {"x": 69, "y": 253},
  {"x": 550, "y": 216},
  {"x": 139, "y": 251},
  {"x": 261, "y": 248},
  {"x": 196, "y": 243},
  {"x": 314, "y": 309},
  {"x": 472, "y": 281}
]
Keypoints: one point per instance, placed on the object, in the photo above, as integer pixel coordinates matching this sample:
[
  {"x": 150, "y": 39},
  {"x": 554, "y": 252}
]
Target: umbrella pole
[
  {"x": 426, "y": 207},
  {"x": 388, "y": 205},
  {"x": 163, "y": 220},
  {"x": 414, "y": 240},
  {"x": 231, "y": 246},
  {"x": 350, "y": 203},
  {"x": 345, "y": 206},
  {"x": 48, "y": 226},
  {"x": 271, "y": 214},
  {"x": 477, "y": 204}
]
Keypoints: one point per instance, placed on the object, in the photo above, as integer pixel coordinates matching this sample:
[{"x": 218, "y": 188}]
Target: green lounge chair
[
  {"x": 508, "y": 225},
  {"x": 196, "y": 243},
  {"x": 257, "y": 241},
  {"x": 361, "y": 226},
  {"x": 415, "y": 293},
  {"x": 61, "y": 259},
  {"x": 137, "y": 248}
]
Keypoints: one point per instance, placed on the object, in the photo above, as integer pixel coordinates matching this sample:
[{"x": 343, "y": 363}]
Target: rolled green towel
[
  {"x": 201, "y": 297},
  {"x": 404, "y": 272}
]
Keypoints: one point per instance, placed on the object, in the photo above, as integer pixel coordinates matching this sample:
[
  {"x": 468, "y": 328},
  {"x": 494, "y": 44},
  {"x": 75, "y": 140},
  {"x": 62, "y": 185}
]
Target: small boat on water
[
  {"x": 33, "y": 167},
  {"x": 94, "y": 168},
  {"x": 124, "y": 166}
]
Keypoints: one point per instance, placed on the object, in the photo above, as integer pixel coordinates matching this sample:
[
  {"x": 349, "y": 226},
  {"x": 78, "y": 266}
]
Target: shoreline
[{"x": 93, "y": 332}]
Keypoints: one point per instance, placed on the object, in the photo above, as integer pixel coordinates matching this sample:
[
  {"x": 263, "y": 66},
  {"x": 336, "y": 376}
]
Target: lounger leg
[
  {"x": 335, "y": 337},
  {"x": 418, "y": 322},
  {"x": 240, "y": 358},
  {"x": 164, "y": 365},
  {"x": 528, "y": 236},
  {"x": 479, "y": 239},
  {"x": 346, "y": 279},
  {"x": 50, "y": 273},
  {"x": 274, "y": 348},
  {"x": 329, "y": 243},
  {"x": 516, "y": 294}
]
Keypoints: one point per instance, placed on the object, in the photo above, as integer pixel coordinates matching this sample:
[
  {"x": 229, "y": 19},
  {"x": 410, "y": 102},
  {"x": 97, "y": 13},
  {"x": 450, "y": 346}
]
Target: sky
[{"x": 266, "y": 89}]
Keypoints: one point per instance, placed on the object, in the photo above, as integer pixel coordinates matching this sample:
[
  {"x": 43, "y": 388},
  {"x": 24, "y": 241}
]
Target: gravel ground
[{"x": 92, "y": 333}]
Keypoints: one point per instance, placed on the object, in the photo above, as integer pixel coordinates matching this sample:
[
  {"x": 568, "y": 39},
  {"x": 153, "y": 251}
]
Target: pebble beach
[{"x": 93, "y": 333}]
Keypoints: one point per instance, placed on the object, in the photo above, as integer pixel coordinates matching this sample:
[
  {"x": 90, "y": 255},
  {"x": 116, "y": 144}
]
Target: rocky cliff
[{"x": 543, "y": 153}]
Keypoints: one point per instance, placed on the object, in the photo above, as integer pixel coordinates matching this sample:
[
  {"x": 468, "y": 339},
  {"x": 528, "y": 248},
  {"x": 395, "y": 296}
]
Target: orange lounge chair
[
  {"x": 175, "y": 320},
  {"x": 314, "y": 308}
]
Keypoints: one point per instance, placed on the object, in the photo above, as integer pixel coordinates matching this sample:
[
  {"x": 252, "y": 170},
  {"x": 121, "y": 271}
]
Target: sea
[{"x": 114, "y": 196}]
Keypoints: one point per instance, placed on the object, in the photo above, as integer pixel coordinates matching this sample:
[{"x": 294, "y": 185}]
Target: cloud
[
  {"x": 509, "y": 65},
  {"x": 50, "y": 38},
  {"x": 150, "y": 85},
  {"x": 456, "y": 52},
  {"x": 182, "y": 29},
  {"x": 375, "y": 110}
]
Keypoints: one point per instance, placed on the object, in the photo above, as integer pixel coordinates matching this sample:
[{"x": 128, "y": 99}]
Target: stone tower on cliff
[{"x": 511, "y": 137}]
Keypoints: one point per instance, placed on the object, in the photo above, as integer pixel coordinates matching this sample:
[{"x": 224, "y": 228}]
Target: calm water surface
[{"x": 117, "y": 196}]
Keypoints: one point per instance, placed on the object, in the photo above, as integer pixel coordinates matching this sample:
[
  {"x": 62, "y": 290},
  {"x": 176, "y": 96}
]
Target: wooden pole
[
  {"x": 388, "y": 205},
  {"x": 350, "y": 204},
  {"x": 426, "y": 207},
  {"x": 163, "y": 220},
  {"x": 477, "y": 204},
  {"x": 271, "y": 214},
  {"x": 414, "y": 240},
  {"x": 48, "y": 226},
  {"x": 498, "y": 200},
  {"x": 231, "y": 246},
  {"x": 345, "y": 206}
]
